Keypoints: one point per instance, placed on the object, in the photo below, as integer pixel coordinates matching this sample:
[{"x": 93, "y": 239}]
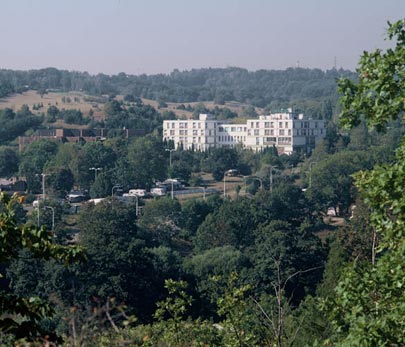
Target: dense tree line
[
  {"x": 259, "y": 88},
  {"x": 128, "y": 259},
  {"x": 17, "y": 123},
  {"x": 118, "y": 116}
]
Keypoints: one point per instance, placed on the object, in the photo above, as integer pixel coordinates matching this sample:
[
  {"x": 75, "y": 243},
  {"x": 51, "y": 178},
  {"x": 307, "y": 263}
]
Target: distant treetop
[{"x": 259, "y": 88}]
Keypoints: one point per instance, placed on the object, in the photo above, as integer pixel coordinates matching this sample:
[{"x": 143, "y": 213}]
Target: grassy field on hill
[
  {"x": 85, "y": 103},
  {"x": 77, "y": 101}
]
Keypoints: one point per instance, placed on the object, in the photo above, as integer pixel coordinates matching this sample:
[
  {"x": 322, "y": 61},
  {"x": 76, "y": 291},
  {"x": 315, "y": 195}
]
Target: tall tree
[
  {"x": 8, "y": 162},
  {"x": 119, "y": 264},
  {"x": 34, "y": 159},
  {"x": 370, "y": 303},
  {"x": 146, "y": 157}
]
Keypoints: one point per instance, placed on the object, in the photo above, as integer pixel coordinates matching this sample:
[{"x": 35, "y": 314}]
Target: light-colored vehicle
[
  {"x": 158, "y": 191},
  {"x": 138, "y": 192},
  {"x": 96, "y": 201},
  {"x": 232, "y": 172},
  {"x": 77, "y": 196}
]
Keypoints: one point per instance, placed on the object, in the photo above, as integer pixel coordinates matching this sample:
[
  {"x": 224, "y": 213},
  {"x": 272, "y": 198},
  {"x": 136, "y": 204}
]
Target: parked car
[
  {"x": 77, "y": 196},
  {"x": 138, "y": 192},
  {"x": 232, "y": 172},
  {"x": 158, "y": 191},
  {"x": 169, "y": 183}
]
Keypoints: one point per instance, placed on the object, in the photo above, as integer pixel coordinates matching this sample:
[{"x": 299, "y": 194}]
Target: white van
[
  {"x": 159, "y": 191},
  {"x": 138, "y": 192}
]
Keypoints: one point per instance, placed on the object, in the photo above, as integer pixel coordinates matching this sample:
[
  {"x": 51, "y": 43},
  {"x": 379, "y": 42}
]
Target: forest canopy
[{"x": 259, "y": 88}]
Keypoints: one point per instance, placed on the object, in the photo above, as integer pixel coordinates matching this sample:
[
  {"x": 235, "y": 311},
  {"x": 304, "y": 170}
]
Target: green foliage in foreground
[
  {"x": 21, "y": 316},
  {"x": 379, "y": 95},
  {"x": 369, "y": 307}
]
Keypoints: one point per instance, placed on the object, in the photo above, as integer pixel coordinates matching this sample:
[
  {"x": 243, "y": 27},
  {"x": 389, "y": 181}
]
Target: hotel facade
[{"x": 287, "y": 131}]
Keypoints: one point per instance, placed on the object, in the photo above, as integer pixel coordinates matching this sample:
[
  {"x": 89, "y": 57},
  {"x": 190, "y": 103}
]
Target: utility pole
[
  {"x": 43, "y": 175},
  {"x": 170, "y": 155},
  {"x": 172, "y": 190},
  {"x": 225, "y": 183},
  {"x": 310, "y": 173},
  {"x": 271, "y": 178}
]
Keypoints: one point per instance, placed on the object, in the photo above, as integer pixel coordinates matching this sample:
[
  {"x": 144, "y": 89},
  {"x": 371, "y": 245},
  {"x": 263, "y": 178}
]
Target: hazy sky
[{"x": 153, "y": 36}]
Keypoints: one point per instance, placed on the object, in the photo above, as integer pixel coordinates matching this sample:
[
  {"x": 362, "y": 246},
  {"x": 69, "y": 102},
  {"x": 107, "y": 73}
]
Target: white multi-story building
[
  {"x": 287, "y": 131},
  {"x": 192, "y": 134}
]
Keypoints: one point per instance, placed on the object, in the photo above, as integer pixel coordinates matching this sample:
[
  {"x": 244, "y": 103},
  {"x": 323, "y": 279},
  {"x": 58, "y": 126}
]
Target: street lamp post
[
  {"x": 310, "y": 176},
  {"x": 310, "y": 173},
  {"x": 95, "y": 169},
  {"x": 203, "y": 188},
  {"x": 43, "y": 185},
  {"x": 43, "y": 175},
  {"x": 244, "y": 183},
  {"x": 115, "y": 187},
  {"x": 172, "y": 190},
  {"x": 271, "y": 177},
  {"x": 38, "y": 215},
  {"x": 136, "y": 205},
  {"x": 170, "y": 155},
  {"x": 225, "y": 183}
]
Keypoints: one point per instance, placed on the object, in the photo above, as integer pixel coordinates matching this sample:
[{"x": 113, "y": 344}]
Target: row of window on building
[
  {"x": 257, "y": 125},
  {"x": 256, "y": 132},
  {"x": 184, "y": 125},
  {"x": 228, "y": 138},
  {"x": 291, "y": 124}
]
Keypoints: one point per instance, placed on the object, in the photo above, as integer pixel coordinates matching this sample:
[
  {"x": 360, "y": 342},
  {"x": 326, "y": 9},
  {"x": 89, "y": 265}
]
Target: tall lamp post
[
  {"x": 225, "y": 183},
  {"x": 310, "y": 176},
  {"x": 43, "y": 185},
  {"x": 203, "y": 188},
  {"x": 310, "y": 173},
  {"x": 95, "y": 169},
  {"x": 137, "y": 205},
  {"x": 172, "y": 190},
  {"x": 170, "y": 165},
  {"x": 43, "y": 175},
  {"x": 170, "y": 155},
  {"x": 38, "y": 215}
]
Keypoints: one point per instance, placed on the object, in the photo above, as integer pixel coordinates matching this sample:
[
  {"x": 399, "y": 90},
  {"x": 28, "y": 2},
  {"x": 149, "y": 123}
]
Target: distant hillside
[
  {"x": 39, "y": 104},
  {"x": 259, "y": 88}
]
